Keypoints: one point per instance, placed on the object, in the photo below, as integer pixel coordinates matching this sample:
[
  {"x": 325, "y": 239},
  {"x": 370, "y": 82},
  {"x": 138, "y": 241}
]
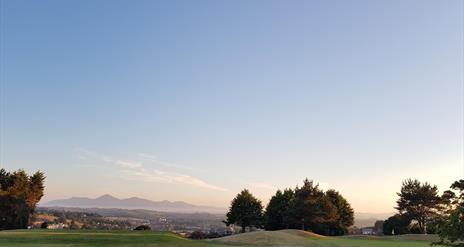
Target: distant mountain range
[{"x": 108, "y": 201}]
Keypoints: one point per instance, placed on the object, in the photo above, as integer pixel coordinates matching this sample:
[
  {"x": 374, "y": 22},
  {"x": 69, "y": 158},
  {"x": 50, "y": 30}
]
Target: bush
[
  {"x": 396, "y": 225},
  {"x": 214, "y": 235},
  {"x": 451, "y": 230},
  {"x": 142, "y": 228},
  {"x": 198, "y": 235},
  {"x": 204, "y": 235},
  {"x": 44, "y": 225}
]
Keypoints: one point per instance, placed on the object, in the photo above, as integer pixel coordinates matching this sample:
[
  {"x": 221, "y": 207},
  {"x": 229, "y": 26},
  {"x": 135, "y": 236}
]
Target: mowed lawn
[{"x": 45, "y": 238}]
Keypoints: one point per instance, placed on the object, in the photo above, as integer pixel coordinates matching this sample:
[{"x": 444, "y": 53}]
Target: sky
[{"x": 195, "y": 100}]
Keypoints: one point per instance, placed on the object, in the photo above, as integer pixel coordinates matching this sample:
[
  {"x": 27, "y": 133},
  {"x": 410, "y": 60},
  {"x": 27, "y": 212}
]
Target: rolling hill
[{"x": 293, "y": 238}]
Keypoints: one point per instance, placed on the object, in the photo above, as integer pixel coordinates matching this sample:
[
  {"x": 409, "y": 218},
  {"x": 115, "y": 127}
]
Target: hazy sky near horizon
[{"x": 195, "y": 100}]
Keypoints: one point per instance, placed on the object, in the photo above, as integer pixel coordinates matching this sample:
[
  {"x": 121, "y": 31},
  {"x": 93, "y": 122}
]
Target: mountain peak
[{"x": 107, "y": 197}]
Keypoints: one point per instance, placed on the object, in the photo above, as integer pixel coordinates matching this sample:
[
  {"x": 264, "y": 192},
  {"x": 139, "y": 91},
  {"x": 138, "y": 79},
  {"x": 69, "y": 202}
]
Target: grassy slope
[
  {"x": 92, "y": 238},
  {"x": 36, "y": 238},
  {"x": 300, "y": 238}
]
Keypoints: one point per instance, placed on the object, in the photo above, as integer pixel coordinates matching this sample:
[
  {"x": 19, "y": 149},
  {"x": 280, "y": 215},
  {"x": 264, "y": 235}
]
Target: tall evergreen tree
[
  {"x": 307, "y": 207},
  {"x": 311, "y": 209},
  {"x": 278, "y": 210},
  {"x": 245, "y": 211},
  {"x": 345, "y": 213}
]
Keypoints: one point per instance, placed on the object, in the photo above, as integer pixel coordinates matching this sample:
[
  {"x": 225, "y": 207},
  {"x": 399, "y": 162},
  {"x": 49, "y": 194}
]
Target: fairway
[{"x": 45, "y": 238}]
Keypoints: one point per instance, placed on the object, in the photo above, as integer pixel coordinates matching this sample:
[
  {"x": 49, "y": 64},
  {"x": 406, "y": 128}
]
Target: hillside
[
  {"x": 273, "y": 238},
  {"x": 116, "y": 218},
  {"x": 297, "y": 238}
]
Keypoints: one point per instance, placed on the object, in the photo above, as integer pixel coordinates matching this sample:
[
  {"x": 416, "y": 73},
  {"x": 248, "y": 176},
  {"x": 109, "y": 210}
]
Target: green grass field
[{"x": 46, "y": 238}]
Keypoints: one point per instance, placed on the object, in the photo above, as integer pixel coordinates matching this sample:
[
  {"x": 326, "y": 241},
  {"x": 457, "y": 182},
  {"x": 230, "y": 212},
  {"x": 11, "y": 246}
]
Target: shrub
[
  {"x": 142, "y": 228},
  {"x": 198, "y": 235}
]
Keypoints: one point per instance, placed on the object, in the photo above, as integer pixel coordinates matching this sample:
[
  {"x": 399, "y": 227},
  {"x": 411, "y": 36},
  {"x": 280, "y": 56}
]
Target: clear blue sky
[{"x": 194, "y": 100}]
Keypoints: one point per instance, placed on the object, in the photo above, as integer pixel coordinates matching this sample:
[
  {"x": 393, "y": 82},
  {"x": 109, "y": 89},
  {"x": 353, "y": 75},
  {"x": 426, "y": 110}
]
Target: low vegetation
[{"x": 142, "y": 228}]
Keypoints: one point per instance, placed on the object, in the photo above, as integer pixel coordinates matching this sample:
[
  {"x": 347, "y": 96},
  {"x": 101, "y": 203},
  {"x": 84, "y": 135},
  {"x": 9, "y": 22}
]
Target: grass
[{"x": 294, "y": 238}]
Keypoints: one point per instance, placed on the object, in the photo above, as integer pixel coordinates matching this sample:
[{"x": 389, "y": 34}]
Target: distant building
[
  {"x": 368, "y": 231},
  {"x": 57, "y": 226}
]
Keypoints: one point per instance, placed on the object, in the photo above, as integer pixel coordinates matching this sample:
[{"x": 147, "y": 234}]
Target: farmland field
[{"x": 45, "y": 238}]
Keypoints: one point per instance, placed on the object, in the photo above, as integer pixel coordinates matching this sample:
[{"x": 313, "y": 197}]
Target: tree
[
  {"x": 396, "y": 225},
  {"x": 44, "y": 225},
  {"x": 420, "y": 201},
  {"x": 19, "y": 195},
  {"x": 345, "y": 213},
  {"x": 36, "y": 190},
  {"x": 311, "y": 209},
  {"x": 451, "y": 229},
  {"x": 245, "y": 211},
  {"x": 278, "y": 210},
  {"x": 459, "y": 186},
  {"x": 378, "y": 226}
]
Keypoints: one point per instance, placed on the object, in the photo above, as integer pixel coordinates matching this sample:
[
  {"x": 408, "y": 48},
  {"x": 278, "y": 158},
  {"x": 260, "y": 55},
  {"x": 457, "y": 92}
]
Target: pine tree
[
  {"x": 278, "y": 210},
  {"x": 245, "y": 211},
  {"x": 420, "y": 202}
]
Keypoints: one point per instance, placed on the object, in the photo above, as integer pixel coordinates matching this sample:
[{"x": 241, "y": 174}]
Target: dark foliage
[
  {"x": 245, "y": 211},
  {"x": 198, "y": 235},
  {"x": 44, "y": 225},
  {"x": 345, "y": 214},
  {"x": 396, "y": 225},
  {"x": 278, "y": 210},
  {"x": 309, "y": 208},
  {"x": 420, "y": 201},
  {"x": 451, "y": 228},
  {"x": 19, "y": 195},
  {"x": 142, "y": 228},
  {"x": 378, "y": 227},
  {"x": 203, "y": 235}
]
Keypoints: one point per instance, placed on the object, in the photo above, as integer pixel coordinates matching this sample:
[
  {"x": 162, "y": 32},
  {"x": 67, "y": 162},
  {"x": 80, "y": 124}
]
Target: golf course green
[{"x": 45, "y": 238}]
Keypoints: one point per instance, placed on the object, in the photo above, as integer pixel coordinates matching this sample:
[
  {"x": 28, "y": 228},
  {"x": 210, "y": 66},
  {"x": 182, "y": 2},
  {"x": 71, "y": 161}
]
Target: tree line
[
  {"x": 19, "y": 195},
  {"x": 307, "y": 207},
  {"x": 421, "y": 209}
]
